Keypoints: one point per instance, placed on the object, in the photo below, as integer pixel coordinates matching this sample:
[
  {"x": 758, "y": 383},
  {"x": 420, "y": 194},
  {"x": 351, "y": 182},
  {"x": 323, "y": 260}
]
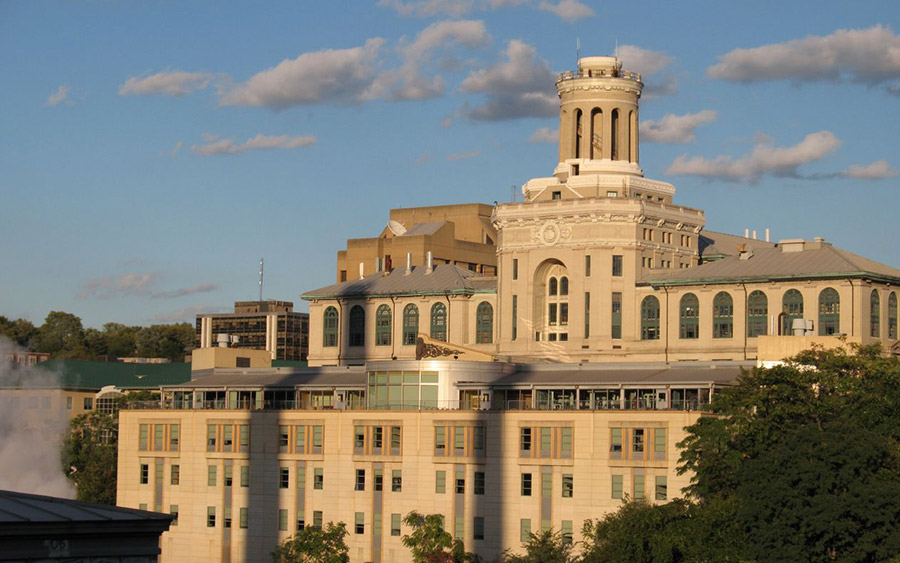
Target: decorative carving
[
  {"x": 661, "y": 222},
  {"x": 424, "y": 350}
]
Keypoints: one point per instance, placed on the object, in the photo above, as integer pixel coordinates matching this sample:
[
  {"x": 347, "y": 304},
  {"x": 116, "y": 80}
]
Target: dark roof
[
  {"x": 81, "y": 374},
  {"x": 23, "y": 507},
  {"x": 266, "y": 377},
  {"x": 818, "y": 260},
  {"x": 593, "y": 374},
  {"x": 443, "y": 280},
  {"x": 713, "y": 245}
]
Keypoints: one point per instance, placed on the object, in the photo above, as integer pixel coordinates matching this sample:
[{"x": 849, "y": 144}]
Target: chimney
[
  {"x": 754, "y": 234},
  {"x": 429, "y": 263},
  {"x": 362, "y": 269},
  {"x": 746, "y": 233},
  {"x": 408, "y": 263},
  {"x": 767, "y": 234}
]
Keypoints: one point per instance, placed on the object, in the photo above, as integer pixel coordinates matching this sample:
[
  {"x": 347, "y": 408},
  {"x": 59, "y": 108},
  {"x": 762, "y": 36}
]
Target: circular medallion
[{"x": 550, "y": 233}]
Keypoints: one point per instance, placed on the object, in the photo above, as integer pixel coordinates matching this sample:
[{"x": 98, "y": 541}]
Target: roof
[
  {"x": 714, "y": 245},
  {"x": 424, "y": 228},
  {"x": 443, "y": 280},
  {"x": 593, "y": 374},
  {"x": 18, "y": 508},
  {"x": 817, "y": 260},
  {"x": 266, "y": 377},
  {"x": 82, "y": 374}
]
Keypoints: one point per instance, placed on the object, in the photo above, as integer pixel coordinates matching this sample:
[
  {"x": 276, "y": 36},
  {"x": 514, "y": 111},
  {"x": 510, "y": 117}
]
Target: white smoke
[{"x": 33, "y": 419}]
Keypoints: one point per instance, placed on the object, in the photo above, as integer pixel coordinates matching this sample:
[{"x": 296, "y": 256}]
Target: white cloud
[
  {"x": 675, "y": 128},
  {"x": 869, "y": 56},
  {"x": 125, "y": 284},
  {"x": 652, "y": 65},
  {"x": 259, "y": 142},
  {"x": 429, "y": 8},
  {"x": 544, "y": 135},
  {"x": 470, "y": 33},
  {"x": 878, "y": 170},
  {"x": 567, "y": 10},
  {"x": 521, "y": 86},
  {"x": 329, "y": 76},
  {"x": 761, "y": 160},
  {"x": 61, "y": 95},
  {"x": 463, "y": 155},
  {"x": 171, "y": 82},
  {"x": 199, "y": 288}
]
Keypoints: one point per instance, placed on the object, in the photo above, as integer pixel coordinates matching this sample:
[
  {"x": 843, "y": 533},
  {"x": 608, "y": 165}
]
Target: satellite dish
[{"x": 396, "y": 228}]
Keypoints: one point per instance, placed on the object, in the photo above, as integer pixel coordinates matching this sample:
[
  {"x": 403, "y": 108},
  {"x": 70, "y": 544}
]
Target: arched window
[
  {"x": 596, "y": 133},
  {"x": 357, "y": 332},
  {"x": 552, "y": 286},
  {"x": 791, "y": 309},
  {"x": 578, "y": 133},
  {"x": 410, "y": 324},
  {"x": 439, "y": 322},
  {"x": 690, "y": 317},
  {"x": 383, "y": 326},
  {"x": 484, "y": 323},
  {"x": 757, "y": 314},
  {"x": 330, "y": 327},
  {"x": 564, "y": 285},
  {"x": 829, "y": 312},
  {"x": 614, "y": 135},
  {"x": 892, "y": 316},
  {"x": 875, "y": 313},
  {"x": 650, "y": 318},
  {"x": 723, "y": 316}
]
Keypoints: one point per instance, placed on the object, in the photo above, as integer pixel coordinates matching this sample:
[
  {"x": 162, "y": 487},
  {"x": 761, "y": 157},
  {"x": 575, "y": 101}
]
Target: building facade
[{"x": 262, "y": 325}]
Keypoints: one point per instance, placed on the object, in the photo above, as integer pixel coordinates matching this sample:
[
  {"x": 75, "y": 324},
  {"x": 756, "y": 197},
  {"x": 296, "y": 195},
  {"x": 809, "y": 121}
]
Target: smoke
[{"x": 33, "y": 419}]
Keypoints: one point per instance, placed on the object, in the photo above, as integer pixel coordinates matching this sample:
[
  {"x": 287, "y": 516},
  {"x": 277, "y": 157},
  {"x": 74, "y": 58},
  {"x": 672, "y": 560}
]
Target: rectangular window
[
  {"x": 440, "y": 440},
  {"x": 359, "y": 439},
  {"x": 396, "y": 481},
  {"x": 245, "y": 475},
  {"x": 244, "y": 430},
  {"x": 318, "y": 478},
  {"x": 565, "y": 445},
  {"x": 617, "y": 488},
  {"x": 525, "y": 529},
  {"x": 545, "y": 441},
  {"x": 301, "y": 524},
  {"x": 545, "y": 525},
  {"x": 515, "y": 317},
  {"x": 566, "y": 532},
  {"x": 526, "y": 484},
  {"x": 459, "y": 440},
  {"x": 556, "y": 195},
  {"x": 568, "y": 486},
  {"x": 282, "y": 520},
  {"x": 546, "y": 485},
  {"x": 226, "y": 520},
  {"x": 563, "y": 314},
  {"x": 228, "y": 438},
  {"x": 525, "y": 442},
  {"x": 210, "y": 516},
  {"x": 377, "y": 439},
  {"x": 637, "y": 443},
  {"x": 301, "y": 477},
  {"x": 211, "y": 475},
  {"x": 145, "y": 474},
  {"x": 440, "y": 482},
  {"x": 478, "y": 526},
  {"x": 173, "y": 510},
  {"x": 173, "y": 437},
  {"x": 616, "y": 315},
  {"x": 317, "y": 519},
  {"x": 360, "y": 480},
  {"x": 379, "y": 480},
  {"x": 661, "y": 488},
  {"x": 210, "y": 437},
  {"x": 243, "y": 516},
  {"x": 300, "y": 439},
  {"x": 617, "y": 265},
  {"x": 228, "y": 475},
  {"x": 282, "y": 439},
  {"x": 284, "y": 478},
  {"x": 638, "y": 485},
  {"x": 479, "y": 483},
  {"x": 515, "y": 275},
  {"x": 317, "y": 438},
  {"x": 659, "y": 443},
  {"x": 587, "y": 266},
  {"x": 69, "y": 402},
  {"x": 587, "y": 314},
  {"x": 142, "y": 439},
  {"x": 142, "y": 506},
  {"x": 615, "y": 443},
  {"x": 460, "y": 482},
  {"x": 478, "y": 439},
  {"x": 395, "y": 524},
  {"x": 360, "y": 526},
  {"x": 395, "y": 440},
  {"x": 88, "y": 403},
  {"x": 552, "y": 313},
  {"x": 175, "y": 475}
]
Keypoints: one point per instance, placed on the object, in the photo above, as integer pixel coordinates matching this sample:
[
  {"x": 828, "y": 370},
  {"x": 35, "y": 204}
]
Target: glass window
[
  {"x": 690, "y": 316},
  {"x": 587, "y": 314},
  {"x": 616, "y": 315},
  {"x": 566, "y": 531},
  {"x": 317, "y": 519},
  {"x": 439, "y": 322},
  {"x": 792, "y": 308},
  {"x": 282, "y": 519},
  {"x": 395, "y": 524},
  {"x": 587, "y": 265},
  {"x": 383, "y": 326},
  {"x": 410, "y": 324},
  {"x": 357, "y": 332},
  {"x": 479, "y": 483},
  {"x": 650, "y": 318},
  {"x": 228, "y": 473},
  {"x": 284, "y": 478},
  {"x": 318, "y": 478},
  {"x": 757, "y": 314},
  {"x": 892, "y": 316},
  {"x": 568, "y": 486},
  {"x": 440, "y": 482},
  {"x": 210, "y": 516},
  {"x": 440, "y": 440},
  {"x": 360, "y": 523},
  {"x": 329, "y": 327},
  {"x": 243, "y": 516},
  {"x": 525, "y": 440},
  {"x": 638, "y": 485},
  {"x": 460, "y": 482},
  {"x": 142, "y": 437},
  {"x": 661, "y": 489},
  {"x": 211, "y": 475},
  {"x": 526, "y": 484},
  {"x": 637, "y": 443},
  {"x": 478, "y": 526},
  {"x": 723, "y": 316},
  {"x": 829, "y": 312},
  {"x": 175, "y": 474},
  {"x": 564, "y": 285},
  {"x": 515, "y": 272},
  {"x": 360, "y": 484},
  {"x": 396, "y": 481},
  {"x": 484, "y": 327},
  {"x": 552, "y": 286},
  {"x": 379, "y": 480},
  {"x": 515, "y": 317},
  {"x": 245, "y": 475},
  {"x": 617, "y": 266},
  {"x": 875, "y": 314},
  {"x": 617, "y": 488},
  {"x": 145, "y": 474},
  {"x": 525, "y": 529}
]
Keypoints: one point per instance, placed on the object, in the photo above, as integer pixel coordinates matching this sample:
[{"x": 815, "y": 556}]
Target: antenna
[
  {"x": 617, "y": 48},
  {"x": 261, "y": 264},
  {"x": 512, "y": 194},
  {"x": 577, "y": 48}
]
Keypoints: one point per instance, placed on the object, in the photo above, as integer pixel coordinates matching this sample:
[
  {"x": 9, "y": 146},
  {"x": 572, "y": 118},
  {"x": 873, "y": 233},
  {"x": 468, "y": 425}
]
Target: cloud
[
  {"x": 675, "y": 128},
  {"x": 259, "y": 142},
  {"x": 125, "y": 284},
  {"x": 337, "y": 76},
  {"x": 188, "y": 314},
  {"x": 762, "y": 160},
  {"x": 463, "y": 155},
  {"x": 520, "y": 86},
  {"x": 868, "y": 56},
  {"x": 567, "y": 10},
  {"x": 878, "y": 170},
  {"x": 650, "y": 64},
  {"x": 171, "y": 83},
  {"x": 429, "y": 8},
  {"x": 544, "y": 135},
  {"x": 61, "y": 95},
  {"x": 199, "y": 288},
  {"x": 178, "y": 146}
]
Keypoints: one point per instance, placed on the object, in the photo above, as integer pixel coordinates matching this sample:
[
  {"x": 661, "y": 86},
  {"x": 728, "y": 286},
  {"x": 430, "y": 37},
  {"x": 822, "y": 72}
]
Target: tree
[
  {"x": 165, "y": 341},
  {"x": 545, "y": 547},
  {"x": 315, "y": 545},
  {"x": 430, "y": 543},
  {"x": 62, "y": 336},
  {"x": 121, "y": 340},
  {"x": 89, "y": 456},
  {"x": 20, "y": 331}
]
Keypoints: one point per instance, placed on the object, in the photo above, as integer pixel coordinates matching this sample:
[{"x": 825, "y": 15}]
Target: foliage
[
  {"x": 165, "y": 341},
  {"x": 62, "y": 335},
  {"x": 545, "y": 547},
  {"x": 315, "y": 545},
  {"x": 89, "y": 456},
  {"x": 120, "y": 340},
  {"x": 20, "y": 331},
  {"x": 430, "y": 543}
]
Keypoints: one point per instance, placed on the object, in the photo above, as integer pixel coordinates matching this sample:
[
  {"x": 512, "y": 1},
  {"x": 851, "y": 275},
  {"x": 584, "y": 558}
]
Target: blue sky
[{"x": 151, "y": 152}]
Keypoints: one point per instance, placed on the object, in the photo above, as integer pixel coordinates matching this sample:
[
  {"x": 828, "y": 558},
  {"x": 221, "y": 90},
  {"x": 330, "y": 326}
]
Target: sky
[{"x": 151, "y": 152}]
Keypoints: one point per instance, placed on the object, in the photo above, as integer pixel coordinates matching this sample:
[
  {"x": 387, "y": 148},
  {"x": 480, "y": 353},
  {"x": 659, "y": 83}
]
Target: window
[
  {"x": 525, "y": 440},
  {"x": 210, "y": 516},
  {"x": 440, "y": 440},
  {"x": 566, "y": 531},
  {"x": 88, "y": 403},
  {"x": 615, "y": 444},
  {"x": 650, "y": 318},
  {"x": 330, "y": 327},
  {"x": 357, "y": 332},
  {"x": 378, "y": 438},
  {"x": 587, "y": 265},
  {"x": 228, "y": 475},
  {"x": 142, "y": 437},
  {"x": 478, "y": 439},
  {"x": 617, "y": 488},
  {"x": 410, "y": 324},
  {"x": 555, "y": 195},
  {"x": 892, "y": 316},
  {"x": 829, "y": 312},
  {"x": 142, "y": 506},
  {"x": 723, "y": 316},
  {"x": 563, "y": 285},
  {"x": 587, "y": 314},
  {"x": 791, "y": 308},
  {"x": 360, "y": 526},
  {"x": 479, "y": 483},
  {"x": 145, "y": 474},
  {"x": 439, "y": 322},
  {"x": 553, "y": 287},
  {"x": 379, "y": 480},
  {"x": 283, "y": 439},
  {"x": 460, "y": 482},
  {"x": 526, "y": 484},
  {"x": 211, "y": 475},
  {"x": 301, "y": 477},
  {"x": 546, "y": 485},
  {"x": 440, "y": 482},
  {"x": 396, "y": 481},
  {"x": 638, "y": 484},
  {"x": 484, "y": 323},
  {"x": 243, "y": 518},
  {"x": 300, "y": 524},
  {"x": 173, "y": 437},
  {"x": 525, "y": 529},
  {"x": 360, "y": 480},
  {"x": 546, "y": 438},
  {"x": 383, "y": 326},
  {"x": 284, "y": 478},
  {"x": 282, "y": 520},
  {"x": 226, "y": 521},
  {"x": 318, "y": 479},
  {"x": 478, "y": 526},
  {"x": 515, "y": 271},
  {"x": 616, "y": 315},
  {"x": 459, "y": 525},
  {"x": 210, "y": 437},
  {"x": 875, "y": 314},
  {"x": 617, "y": 265},
  {"x": 565, "y": 443},
  {"x": 317, "y": 519},
  {"x": 245, "y": 475},
  {"x": 690, "y": 313},
  {"x": 69, "y": 402},
  {"x": 515, "y": 317},
  {"x": 459, "y": 440},
  {"x": 395, "y": 524},
  {"x": 395, "y": 440},
  {"x": 659, "y": 443},
  {"x": 175, "y": 474},
  {"x": 568, "y": 486},
  {"x": 158, "y": 437},
  {"x": 637, "y": 443},
  {"x": 661, "y": 490},
  {"x": 757, "y": 314},
  {"x": 173, "y": 510}
]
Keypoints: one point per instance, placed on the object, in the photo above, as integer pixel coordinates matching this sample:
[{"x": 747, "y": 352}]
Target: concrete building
[{"x": 260, "y": 325}]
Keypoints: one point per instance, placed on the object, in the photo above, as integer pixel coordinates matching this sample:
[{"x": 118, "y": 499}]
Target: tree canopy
[
  {"x": 544, "y": 547},
  {"x": 430, "y": 543},
  {"x": 315, "y": 545},
  {"x": 89, "y": 456}
]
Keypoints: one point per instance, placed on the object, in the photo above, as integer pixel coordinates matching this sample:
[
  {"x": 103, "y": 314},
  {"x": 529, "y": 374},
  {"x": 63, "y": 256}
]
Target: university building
[
  {"x": 259, "y": 325},
  {"x": 510, "y": 401}
]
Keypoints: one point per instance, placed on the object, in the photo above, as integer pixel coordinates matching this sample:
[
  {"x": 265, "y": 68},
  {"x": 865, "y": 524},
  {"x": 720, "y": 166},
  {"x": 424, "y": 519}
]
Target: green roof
[
  {"x": 288, "y": 364},
  {"x": 82, "y": 374}
]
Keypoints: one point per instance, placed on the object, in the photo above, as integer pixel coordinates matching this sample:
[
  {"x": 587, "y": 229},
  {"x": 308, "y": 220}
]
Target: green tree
[
  {"x": 315, "y": 545},
  {"x": 121, "y": 340},
  {"x": 430, "y": 543},
  {"x": 89, "y": 456},
  {"x": 20, "y": 331},
  {"x": 62, "y": 336},
  {"x": 544, "y": 547},
  {"x": 165, "y": 341}
]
